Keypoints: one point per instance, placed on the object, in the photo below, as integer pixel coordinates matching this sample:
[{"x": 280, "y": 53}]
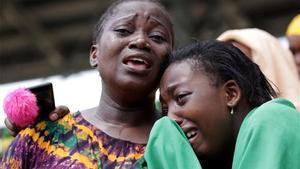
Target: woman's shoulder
[
  {"x": 48, "y": 130},
  {"x": 73, "y": 138},
  {"x": 43, "y": 128}
]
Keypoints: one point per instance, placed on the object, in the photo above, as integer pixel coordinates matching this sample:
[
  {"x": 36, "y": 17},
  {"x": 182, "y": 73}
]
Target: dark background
[{"x": 39, "y": 38}]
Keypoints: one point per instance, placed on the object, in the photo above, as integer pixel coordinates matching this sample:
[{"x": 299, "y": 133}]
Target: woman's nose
[
  {"x": 140, "y": 42},
  {"x": 297, "y": 57}
]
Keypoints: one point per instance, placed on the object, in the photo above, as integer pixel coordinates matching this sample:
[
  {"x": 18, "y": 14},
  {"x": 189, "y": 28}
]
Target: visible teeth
[
  {"x": 138, "y": 60},
  {"x": 190, "y": 134}
]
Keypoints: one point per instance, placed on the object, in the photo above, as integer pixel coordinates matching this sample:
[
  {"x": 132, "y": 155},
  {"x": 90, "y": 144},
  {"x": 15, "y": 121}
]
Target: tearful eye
[
  {"x": 158, "y": 39},
  {"x": 122, "y": 32},
  {"x": 181, "y": 98}
]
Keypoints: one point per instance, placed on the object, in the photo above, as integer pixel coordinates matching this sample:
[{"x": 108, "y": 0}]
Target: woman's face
[
  {"x": 134, "y": 43},
  {"x": 201, "y": 109},
  {"x": 294, "y": 42}
]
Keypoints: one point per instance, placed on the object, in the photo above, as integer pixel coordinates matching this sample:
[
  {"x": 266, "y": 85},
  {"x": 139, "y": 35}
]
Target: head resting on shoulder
[{"x": 221, "y": 61}]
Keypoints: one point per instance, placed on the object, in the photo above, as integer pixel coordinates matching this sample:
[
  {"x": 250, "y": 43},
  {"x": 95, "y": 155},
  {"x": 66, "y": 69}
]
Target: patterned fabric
[{"x": 71, "y": 142}]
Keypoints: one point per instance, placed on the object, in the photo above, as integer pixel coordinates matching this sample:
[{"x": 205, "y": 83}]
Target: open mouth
[
  {"x": 191, "y": 135},
  {"x": 137, "y": 63}
]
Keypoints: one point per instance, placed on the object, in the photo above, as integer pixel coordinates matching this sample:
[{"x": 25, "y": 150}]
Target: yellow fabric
[
  {"x": 294, "y": 26},
  {"x": 275, "y": 61}
]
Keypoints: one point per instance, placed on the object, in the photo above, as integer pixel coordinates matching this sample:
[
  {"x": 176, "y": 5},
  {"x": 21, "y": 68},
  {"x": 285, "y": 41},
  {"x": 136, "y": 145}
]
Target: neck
[
  {"x": 240, "y": 112},
  {"x": 222, "y": 162},
  {"x": 126, "y": 122},
  {"x": 121, "y": 112}
]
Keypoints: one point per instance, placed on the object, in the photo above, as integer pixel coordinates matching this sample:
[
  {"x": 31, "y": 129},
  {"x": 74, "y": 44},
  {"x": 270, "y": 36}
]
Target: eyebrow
[
  {"x": 133, "y": 16},
  {"x": 163, "y": 25},
  {"x": 125, "y": 18},
  {"x": 158, "y": 21},
  {"x": 171, "y": 87},
  {"x": 169, "y": 90}
]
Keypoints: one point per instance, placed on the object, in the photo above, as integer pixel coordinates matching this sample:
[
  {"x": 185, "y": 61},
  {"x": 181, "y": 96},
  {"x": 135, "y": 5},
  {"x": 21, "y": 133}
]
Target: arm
[{"x": 168, "y": 148}]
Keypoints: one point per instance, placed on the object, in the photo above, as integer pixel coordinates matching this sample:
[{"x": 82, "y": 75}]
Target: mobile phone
[{"x": 45, "y": 98}]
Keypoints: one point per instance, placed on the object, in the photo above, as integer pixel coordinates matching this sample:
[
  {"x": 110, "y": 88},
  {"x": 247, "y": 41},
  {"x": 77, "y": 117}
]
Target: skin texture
[
  {"x": 132, "y": 33},
  {"x": 138, "y": 43},
  {"x": 202, "y": 110},
  {"x": 294, "y": 42}
]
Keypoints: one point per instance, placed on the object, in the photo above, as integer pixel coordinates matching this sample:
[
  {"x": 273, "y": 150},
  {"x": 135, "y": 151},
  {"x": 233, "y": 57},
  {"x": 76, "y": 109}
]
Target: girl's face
[
  {"x": 201, "y": 109},
  {"x": 294, "y": 42},
  {"x": 135, "y": 41}
]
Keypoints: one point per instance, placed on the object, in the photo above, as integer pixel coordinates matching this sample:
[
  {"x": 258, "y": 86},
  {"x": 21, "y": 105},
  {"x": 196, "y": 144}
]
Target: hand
[
  {"x": 12, "y": 129},
  {"x": 56, "y": 114}
]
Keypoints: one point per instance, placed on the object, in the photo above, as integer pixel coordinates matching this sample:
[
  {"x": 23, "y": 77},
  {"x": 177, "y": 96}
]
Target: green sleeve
[
  {"x": 168, "y": 147},
  {"x": 269, "y": 138}
]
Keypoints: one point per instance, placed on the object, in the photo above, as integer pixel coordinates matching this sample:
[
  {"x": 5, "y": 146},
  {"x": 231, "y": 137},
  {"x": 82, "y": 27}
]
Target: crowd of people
[{"x": 228, "y": 103}]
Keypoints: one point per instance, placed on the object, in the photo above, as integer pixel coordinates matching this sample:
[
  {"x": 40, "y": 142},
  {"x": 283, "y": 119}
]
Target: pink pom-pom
[{"x": 21, "y": 107}]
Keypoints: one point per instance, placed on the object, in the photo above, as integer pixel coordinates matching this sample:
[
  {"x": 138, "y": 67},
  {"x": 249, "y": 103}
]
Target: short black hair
[
  {"x": 222, "y": 62},
  {"x": 111, "y": 10}
]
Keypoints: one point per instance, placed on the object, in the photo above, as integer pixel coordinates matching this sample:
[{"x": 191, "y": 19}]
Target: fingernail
[{"x": 54, "y": 116}]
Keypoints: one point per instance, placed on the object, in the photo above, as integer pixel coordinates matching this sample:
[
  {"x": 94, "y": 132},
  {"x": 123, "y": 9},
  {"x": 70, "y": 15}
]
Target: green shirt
[
  {"x": 269, "y": 138},
  {"x": 168, "y": 148}
]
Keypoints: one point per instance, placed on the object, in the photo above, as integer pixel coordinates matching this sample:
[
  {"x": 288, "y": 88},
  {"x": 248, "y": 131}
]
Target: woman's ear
[
  {"x": 93, "y": 56},
  {"x": 233, "y": 93}
]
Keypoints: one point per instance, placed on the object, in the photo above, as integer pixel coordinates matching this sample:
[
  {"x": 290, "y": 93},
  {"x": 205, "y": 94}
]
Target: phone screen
[{"x": 45, "y": 98}]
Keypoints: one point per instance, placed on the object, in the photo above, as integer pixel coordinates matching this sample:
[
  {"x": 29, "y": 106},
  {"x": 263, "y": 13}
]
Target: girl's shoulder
[
  {"x": 278, "y": 114},
  {"x": 274, "y": 108}
]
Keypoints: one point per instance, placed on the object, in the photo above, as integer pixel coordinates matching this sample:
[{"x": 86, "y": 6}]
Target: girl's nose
[{"x": 176, "y": 117}]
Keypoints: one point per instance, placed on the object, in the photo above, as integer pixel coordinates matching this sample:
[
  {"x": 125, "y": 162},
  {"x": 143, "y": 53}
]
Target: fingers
[
  {"x": 12, "y": 129},
  {"x": 58, "y": 113}
]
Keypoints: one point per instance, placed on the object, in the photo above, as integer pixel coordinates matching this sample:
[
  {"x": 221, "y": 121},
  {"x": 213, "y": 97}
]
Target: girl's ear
[
  {"x": 233, "y": 93},
  {"x": 93, "y": 56}
]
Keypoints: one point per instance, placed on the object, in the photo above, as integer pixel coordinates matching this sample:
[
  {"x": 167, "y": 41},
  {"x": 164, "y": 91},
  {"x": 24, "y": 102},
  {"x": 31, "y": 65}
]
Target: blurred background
[
  {"x": 49, "y": 40},
  {"x": 39, "y": 38}
]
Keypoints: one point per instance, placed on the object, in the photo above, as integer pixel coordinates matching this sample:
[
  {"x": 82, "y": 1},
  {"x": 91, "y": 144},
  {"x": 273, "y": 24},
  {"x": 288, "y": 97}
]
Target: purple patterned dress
[{"x": 71, "y": 142}]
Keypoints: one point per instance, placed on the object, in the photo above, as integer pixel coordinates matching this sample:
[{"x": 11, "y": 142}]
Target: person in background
[
  {"x": 274, "y": 60},
  {"x": 131, "y": 41},
  {"x": 293, "y": 36},
  {"x": 227, "y": 110}
]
